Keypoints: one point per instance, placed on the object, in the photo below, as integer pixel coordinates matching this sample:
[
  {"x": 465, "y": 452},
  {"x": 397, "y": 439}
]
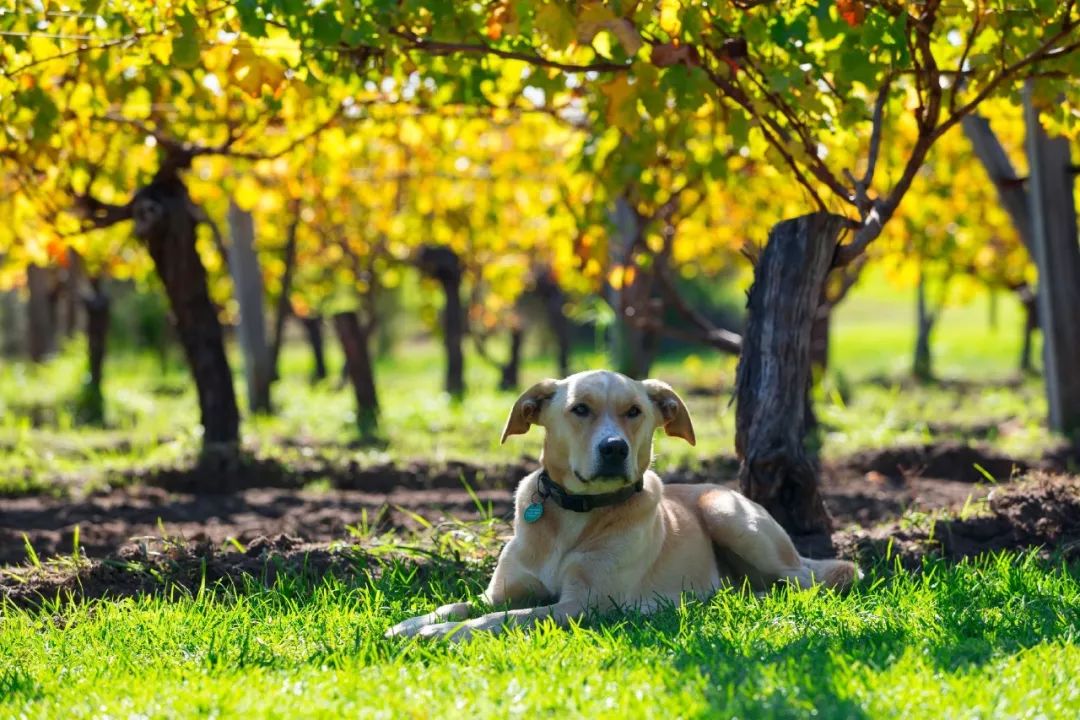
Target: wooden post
[
  {"x": 1057, "y": 256},
  {"x": 247, "y": 277}
]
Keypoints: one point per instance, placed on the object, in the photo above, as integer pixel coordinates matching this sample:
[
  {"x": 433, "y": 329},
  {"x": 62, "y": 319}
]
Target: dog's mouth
[{"x": 603, "y": 477}]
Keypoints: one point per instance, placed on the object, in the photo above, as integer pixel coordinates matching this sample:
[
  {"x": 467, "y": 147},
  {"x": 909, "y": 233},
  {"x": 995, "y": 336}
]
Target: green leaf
[
  {"x": 46, "y": 113},
  {"x": 250, "y": 21},
  {"x": 325, "y": 28},
  {"x": 185, "y": 47}
]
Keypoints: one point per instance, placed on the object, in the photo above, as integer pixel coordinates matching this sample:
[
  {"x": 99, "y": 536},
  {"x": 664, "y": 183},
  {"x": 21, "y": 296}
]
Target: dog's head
[{"x": 599, "y": 426}]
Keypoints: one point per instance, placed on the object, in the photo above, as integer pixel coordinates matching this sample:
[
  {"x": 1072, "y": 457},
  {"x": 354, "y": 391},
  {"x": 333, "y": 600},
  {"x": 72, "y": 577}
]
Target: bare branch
[
  {"x": 436, "y": 47},
  {"x": 707, "y": 332},
  {"x": 97, "y": 214},
  {"x": 875, "y": 134},
  {"x": 181, "y": 153}
]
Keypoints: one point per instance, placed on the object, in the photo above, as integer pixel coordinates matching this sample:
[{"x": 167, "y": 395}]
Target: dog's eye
[
  {"x": 633, "y": 412},
  {"x": 581, "y": 410}
]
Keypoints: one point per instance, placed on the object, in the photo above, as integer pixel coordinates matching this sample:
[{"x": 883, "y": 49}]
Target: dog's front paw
[
  {"x": 453, "y": 631},
  {"x": 408, "y": 628}
]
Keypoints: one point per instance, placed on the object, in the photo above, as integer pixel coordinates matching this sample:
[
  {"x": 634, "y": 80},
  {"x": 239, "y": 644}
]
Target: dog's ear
[
  {"x": 672, "y": 409},
  {"x": 526, "y": 410}
]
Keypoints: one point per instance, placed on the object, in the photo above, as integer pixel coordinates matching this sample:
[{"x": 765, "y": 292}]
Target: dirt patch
[
  {"x": 107, "y": 520},
  {"x": 950, "y": 460},
  {"x": 1042, "y": 511},
  {"x": 230, "y": 473},
  {"x": 162, "y": 566}
]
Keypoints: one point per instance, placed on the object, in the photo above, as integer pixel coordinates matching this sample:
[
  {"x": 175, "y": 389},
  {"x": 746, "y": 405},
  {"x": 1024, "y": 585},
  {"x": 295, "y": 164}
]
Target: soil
[
  {"x": 119, "y": 528},
  {"x": 1043, "y": 512},
  {"x": 952, "y": 460}
]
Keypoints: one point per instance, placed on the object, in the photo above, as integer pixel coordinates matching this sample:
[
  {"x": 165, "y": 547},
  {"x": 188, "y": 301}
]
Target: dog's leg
[
  {"x": 510, "y": 585},
  {"x": 745, "y": 528},
  {"x": 453, "y": 611},
  {"x": 561, "y": 613}
]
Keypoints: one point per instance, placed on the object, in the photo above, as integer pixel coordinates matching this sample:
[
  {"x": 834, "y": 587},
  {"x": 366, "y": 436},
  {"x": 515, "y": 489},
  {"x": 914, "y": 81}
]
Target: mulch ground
[{"x": 134, "y": 536}]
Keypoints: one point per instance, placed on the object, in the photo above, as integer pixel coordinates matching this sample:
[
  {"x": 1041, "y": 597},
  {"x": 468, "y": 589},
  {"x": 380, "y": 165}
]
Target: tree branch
[
  {"x": 436, "y": 47},
  {"x": 98, "y": 214}
]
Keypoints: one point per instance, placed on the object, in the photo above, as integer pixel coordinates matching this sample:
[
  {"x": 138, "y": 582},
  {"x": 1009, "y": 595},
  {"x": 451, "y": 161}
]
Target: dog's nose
[{"x": 614, "y": 448}]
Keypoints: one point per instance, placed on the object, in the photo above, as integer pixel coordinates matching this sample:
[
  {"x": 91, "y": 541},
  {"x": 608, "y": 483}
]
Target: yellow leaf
[
  {"x": 247, "y": 193},
  {"x": 411, "y": 133},
  {"x": 669, "y": 17},
  {"x": 616, "y": 277}
]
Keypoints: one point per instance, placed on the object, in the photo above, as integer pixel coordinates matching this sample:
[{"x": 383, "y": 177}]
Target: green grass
[{"x": 995, "y": 638}]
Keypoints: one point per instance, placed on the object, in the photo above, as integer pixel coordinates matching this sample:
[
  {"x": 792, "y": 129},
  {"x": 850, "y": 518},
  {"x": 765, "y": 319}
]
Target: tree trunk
[
  {"x": 819, "y": 338},
  {"x": 554, "y": 299},
  {"x": 313, "y": 330},
  {"x": 922, "y": 366},
  {"x": 511, "y": 371},
  {"x": 443, "y": 264},
  {"x": 10, "y": 337},
  {"x": 623, "y": 335},
  {"x": 284, "y": 304},
  {"x": 92, "y": 400},
  {"x": 355, "y": 342},
  {"x": 247, "y": 278},
  {"x": 1057, "y": 256},
  {"x": 641, "y": 344},
  {"x": 41, "y": 331},
  {"x": 1030, "y": 301},
  {"x": 775, "y": 430},
  {"x": 165, "y": 222}
]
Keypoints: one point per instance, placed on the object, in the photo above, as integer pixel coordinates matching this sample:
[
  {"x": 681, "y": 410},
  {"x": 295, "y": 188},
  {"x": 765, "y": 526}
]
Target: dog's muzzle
[{"x": 612, "y": 454}]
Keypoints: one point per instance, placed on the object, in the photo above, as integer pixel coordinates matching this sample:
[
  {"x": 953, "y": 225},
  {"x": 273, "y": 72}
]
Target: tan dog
[{"x": 595, "y": 528}]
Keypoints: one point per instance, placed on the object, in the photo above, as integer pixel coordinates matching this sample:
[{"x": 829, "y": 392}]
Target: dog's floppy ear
[
  {"x": 526, "y": 410},
  {"x": 672, "y": 409}
]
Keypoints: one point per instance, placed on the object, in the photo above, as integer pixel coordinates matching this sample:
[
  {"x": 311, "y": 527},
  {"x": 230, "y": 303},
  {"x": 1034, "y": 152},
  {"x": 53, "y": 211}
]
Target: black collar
[{"x": 548, "y": 488}]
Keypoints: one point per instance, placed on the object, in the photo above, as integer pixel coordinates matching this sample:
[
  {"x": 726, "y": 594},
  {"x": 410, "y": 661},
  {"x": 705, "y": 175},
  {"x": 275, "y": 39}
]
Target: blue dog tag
[{"x": 534, "y": 512}]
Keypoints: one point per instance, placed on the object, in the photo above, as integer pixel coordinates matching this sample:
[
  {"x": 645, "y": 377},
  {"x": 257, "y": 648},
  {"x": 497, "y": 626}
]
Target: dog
[{"x": 596, "y": 529}]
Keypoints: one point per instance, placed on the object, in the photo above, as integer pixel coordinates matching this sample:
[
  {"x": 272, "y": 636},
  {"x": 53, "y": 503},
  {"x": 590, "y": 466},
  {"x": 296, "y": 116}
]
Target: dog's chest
[{"x": 559, "y": 547}]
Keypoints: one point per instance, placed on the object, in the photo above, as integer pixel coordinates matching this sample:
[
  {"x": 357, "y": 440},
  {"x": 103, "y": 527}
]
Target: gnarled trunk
[
  {"x": 313, "y": 331},
  {"x": 443, "y": 264},
  {"x": 10, "y": 338},
  {"x": 91, "y": 399},
  {"x": 41, "y": 330},
  {"x": 923, "y": 364},
  {"x": 819, "y": 338},
  {"x": 165, "y": 222},
  {"x": 775, "y": 430},
  {"x": 509, "y": 379},
  {"x": 355, "y": 341},
  {"x": 554, "y": 299}
]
